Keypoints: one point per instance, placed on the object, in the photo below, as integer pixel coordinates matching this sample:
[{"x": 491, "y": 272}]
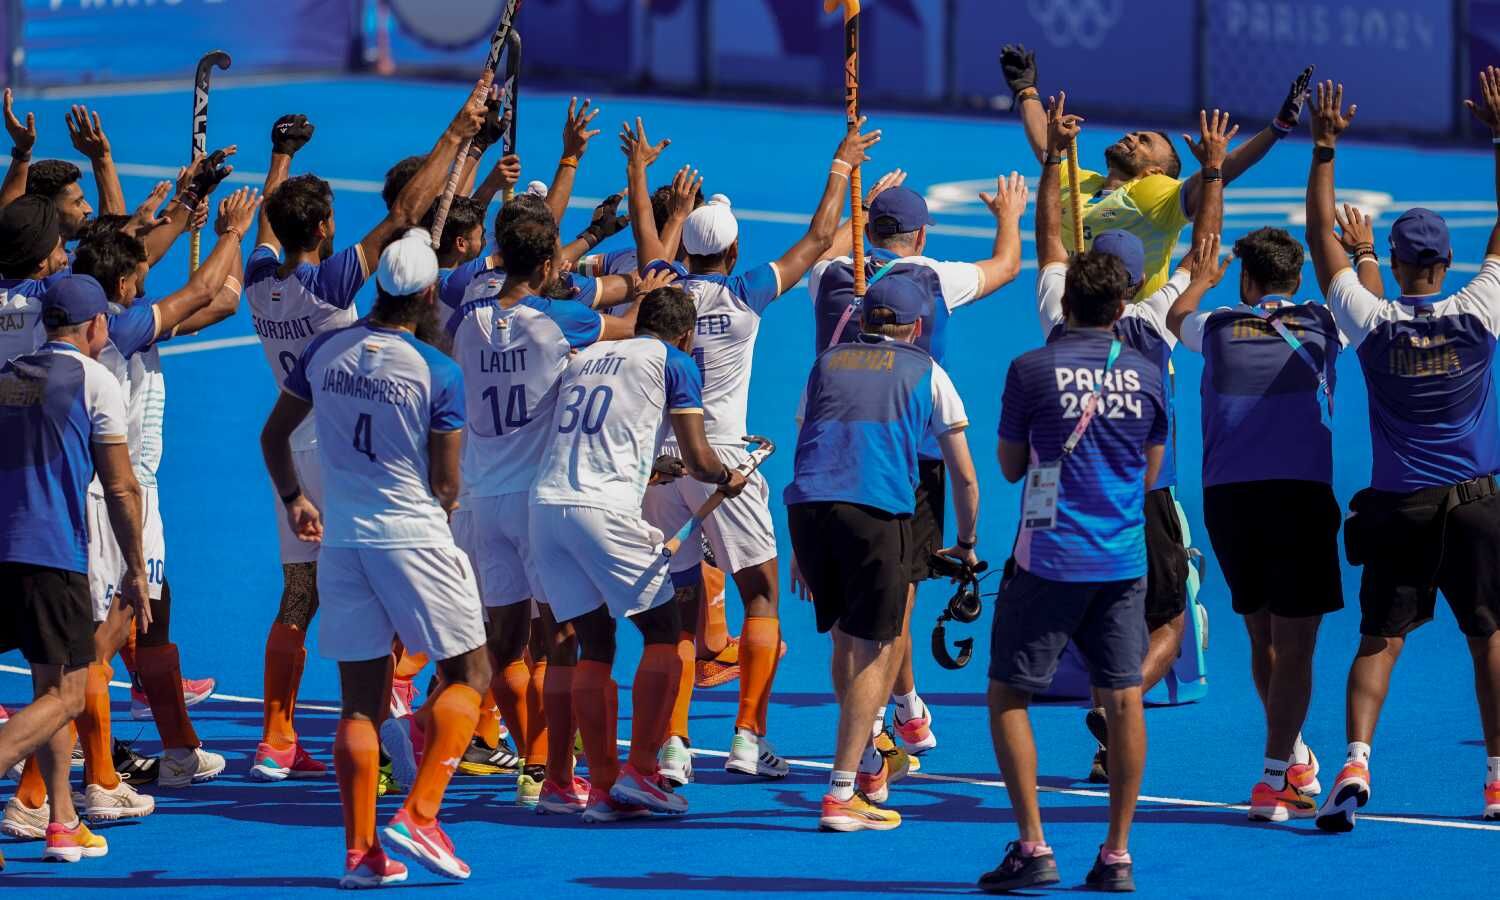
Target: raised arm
[
  {"x": 1357, "y": 237},
  {"x": 1255, "y": 149},
  {"x": 1019, "y": 65},
  {"x": 576, "y": 136},
  {"x": 87, "y": 133},
  {"x": 504, "y": 176},
  {"x": 22, "y": 139},
  {"x": 1008, "y": 203},
  {"x": 1488, "y": 112},
  {"x": 289, "y": 134},
  {"x": 843, "y": 235},
  {"x": 1328, "y": 122},
  {"x": 640, "y": 153},
  {"x": 1207, "y": 271},
  {"x": 687, "y": 185},
  {"x": 423, "y": 188},
  {"x": 213, "y": 293},
  {"x": 853, "y": 151},
  {"x": 605, "y": 223},
  {"x": 1061, "y": 130}
]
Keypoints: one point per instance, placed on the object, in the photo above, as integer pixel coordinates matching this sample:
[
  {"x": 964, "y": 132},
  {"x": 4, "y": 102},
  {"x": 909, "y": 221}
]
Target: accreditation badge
[{"x": 1039, "y": 508}]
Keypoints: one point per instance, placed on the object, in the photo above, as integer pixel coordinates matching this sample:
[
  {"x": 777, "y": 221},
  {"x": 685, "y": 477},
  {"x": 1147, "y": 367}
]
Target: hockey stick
[
  {"x": 1075, "y": 196},
  {"x": 851, "y": 110},
  {"x": 760, "y": 449},
  {"x": 210, "y": 61},
  {"x": 512, "y": 99}
]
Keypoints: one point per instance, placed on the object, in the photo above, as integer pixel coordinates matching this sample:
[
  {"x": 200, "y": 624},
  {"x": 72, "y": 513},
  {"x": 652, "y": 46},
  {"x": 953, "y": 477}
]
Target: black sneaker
[
  {"x": 133, "y": 768},
  {"x": 1016, "y": 871},
  {"x": 1099, "y": 771},
  {"x": 1113, "y": 878},
  {"x": 482, "y": 759}
]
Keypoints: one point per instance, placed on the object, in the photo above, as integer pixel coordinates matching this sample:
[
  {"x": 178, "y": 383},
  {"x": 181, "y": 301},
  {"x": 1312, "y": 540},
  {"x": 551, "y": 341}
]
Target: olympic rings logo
[{"x": 1077, "y": 23}]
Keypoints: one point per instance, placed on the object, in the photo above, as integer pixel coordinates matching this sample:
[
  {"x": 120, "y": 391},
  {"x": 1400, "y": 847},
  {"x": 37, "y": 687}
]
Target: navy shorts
[{"x": 1036, "y": 617}]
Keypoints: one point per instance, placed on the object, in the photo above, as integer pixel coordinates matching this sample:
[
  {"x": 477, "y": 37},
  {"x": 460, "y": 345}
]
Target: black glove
[
  {"x": 667, "y": 468},
  {"x": 1019, "y": 65},
  {"x": 605, "y": 223},
  {"x": 1291, "y": 107},
  {"x": 290, "y": 134},
  {"x": 490, "y": 132},
  {"x": 209, "y": 175}
]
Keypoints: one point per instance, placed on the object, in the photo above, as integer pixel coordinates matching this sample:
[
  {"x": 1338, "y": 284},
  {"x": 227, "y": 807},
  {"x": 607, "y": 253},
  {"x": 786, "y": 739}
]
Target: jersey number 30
[{"x": 586, "y": 408}]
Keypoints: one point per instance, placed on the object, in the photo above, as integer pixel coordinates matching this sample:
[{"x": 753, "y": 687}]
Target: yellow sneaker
[
  {"x": 898, "y": 761},
  {"x": 856, "y": 814},
  {"x": 66, "y": 844},
  {"x": 529, "y": 788}
]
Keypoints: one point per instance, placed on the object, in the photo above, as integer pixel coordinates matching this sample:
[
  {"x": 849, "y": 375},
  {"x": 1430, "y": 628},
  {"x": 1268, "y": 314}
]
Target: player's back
[
  {"x": 378, "y": 395},
  {"x": 609, "y": 419},
  {"x": 513, "y": 360},
  {"x": 729, "y": 308},
  {"x": 21, "y": 328}
]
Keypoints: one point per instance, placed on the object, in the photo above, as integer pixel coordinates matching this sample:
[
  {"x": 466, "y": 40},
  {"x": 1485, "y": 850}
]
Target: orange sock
[
  {"x": 536, "y": 719},
  {"x": 284, "y": 655},
  {"x": 652, "y": 698},
  {"x": 597, "y": 715},
  {"x": 487, "y": 729},
  {"x": 765, "y": 707},
  {"x": 161, "y": 678},
  {"x": 509, "y": 687},
  {"x": 127, "y": 652},
  {"x": 409, "y": 664},
  {"x": 32, "y": 791},
  {"x": 558, "y": 710},
  {"x": 297, "y": 684},
  {"x": 684, "y": 696},
  {"x": 713, "y": 627},
  {"x": 93, "y": 729},
  {"x": 356, "y": 763},
  {"x": 454, "y": 712},
  {"x": 760, "y": 643}
]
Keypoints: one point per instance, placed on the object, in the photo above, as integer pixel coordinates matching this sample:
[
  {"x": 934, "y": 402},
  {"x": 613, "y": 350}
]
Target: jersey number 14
[{"x": 515, "y": 407}]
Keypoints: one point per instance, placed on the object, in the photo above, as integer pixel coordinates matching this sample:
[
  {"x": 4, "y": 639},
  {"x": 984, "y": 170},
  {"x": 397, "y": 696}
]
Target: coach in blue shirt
[
  {"x": 869, "y": 405},
  {"x": 1084, "y": 421},
  {"x": 64, "y": 417}
]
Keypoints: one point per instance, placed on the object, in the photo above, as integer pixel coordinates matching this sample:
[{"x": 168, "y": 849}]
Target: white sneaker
[
  {"x": 120, "y": 802},
  {"x": 21, "y": 821},
  {"x": 752, "y": 754},
  {"x": 675, "y": 762},
  {"x": 181, "y": 767}
]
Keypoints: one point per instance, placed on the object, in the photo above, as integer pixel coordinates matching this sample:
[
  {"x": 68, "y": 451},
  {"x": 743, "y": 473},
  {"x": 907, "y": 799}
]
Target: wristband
[
  {"x": 288, "y": 498},
  {"x": 968, "y": 545},
  {"x": 1367, "y": 258},
  {"x": 234, "y": 286},
  {"x": 1030, "y": 93},
  {"x": 1052, "y": 161},
  {"x": 568, "y": 162},
  {"x": 1214, "y": 174},
  {"x": 1282, "y": 128},
  {"x": 837, "y": 174},
  {"x": 238, "y": 234},
  {"x": 1323, "y": 154},
  {"x": 837, "y": 163},
  {"x": 19, "y": 155},
  {"x": 727, "y": 477}
]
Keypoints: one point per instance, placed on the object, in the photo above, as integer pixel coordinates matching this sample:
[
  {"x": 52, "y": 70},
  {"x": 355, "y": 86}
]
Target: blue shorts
[{"x": 1036, "y": 617}]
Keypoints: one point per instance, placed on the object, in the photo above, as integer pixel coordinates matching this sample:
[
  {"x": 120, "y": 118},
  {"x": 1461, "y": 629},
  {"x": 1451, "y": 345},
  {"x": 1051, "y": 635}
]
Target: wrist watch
[{"x": 1323, "y": 154}]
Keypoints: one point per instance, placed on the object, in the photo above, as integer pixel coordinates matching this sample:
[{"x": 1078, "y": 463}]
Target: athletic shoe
[
  {"x": 899, "y": 763},
  {"x": 1305, "y": 775},
  {"x": 1492, "y": 801},
  {"x": 649, "y": 791},
  {"x": 563, "y": 801},
  {"x": 1267, "y": 804},
  {"x": 915, "y": 733},
  {"x": 482, "y": 759},
  {"x": 529, "y": 786},
  {"x": 426, "y": 845},
  {"x": 181, "y": 767},
  {"x": 751, "y": 754},
  {"x": 21, "y": 821},
  {"x": 120, "y": 802},
  {"x": 76, "y": 760},
  {"x": 722, "y": 668},
  {"x": 1099, "y": 769},
  {"x": 675, "y": 762},
  {"x": 387, "y": 783},
  {"x": 403, "y": 696},
  {"x": 14, "y": 772},
  {"x": 194, "y": 692},
  {"x": 1351, "y": 792},
  {"x": 66, "y": 844},
  {"x": 1112, "y": 878},
  {"x": 395, "y": 736},
  {"x": 857, "y": 813},
  {"x": 1017, "y": 871},
  {"x": 278, "y": 765},
  {"x": 132, "y": 767},
  {"x": 875, "y": 785},
  {"x": 603, "y": 808},
  {"x": 372, "y": 868}
]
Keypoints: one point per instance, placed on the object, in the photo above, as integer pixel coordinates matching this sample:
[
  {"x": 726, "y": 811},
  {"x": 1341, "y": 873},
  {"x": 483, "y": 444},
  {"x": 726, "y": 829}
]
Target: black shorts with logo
[
  {"x": 1166, "y": 560},
  {"x": 856, "y": 561},
  {"x": 927, "y": 521},
  {"x": 47, "y": 614},
  {"x": 1411, "y": 549},
  {"x": 1277, "y": 542}
]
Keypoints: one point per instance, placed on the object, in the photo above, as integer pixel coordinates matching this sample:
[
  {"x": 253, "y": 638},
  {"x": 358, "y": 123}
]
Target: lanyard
[
  {"x": 1091, "y": 406},
  {"x": 849, "y": 310},
  {"x": 1324, "y": 386}
]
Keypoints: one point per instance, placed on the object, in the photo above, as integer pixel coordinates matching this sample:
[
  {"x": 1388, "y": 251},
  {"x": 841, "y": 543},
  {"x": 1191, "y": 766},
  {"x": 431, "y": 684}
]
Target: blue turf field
[{"x": 235, "y": 838}]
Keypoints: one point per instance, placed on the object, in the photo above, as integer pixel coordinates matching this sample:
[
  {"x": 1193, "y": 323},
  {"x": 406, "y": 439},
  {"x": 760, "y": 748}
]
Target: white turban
[
  {"x": 711, "y": 228},
  {"x": 408, "y": 266}
]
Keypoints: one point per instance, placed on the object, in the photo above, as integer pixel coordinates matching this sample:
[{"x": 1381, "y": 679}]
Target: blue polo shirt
[
  {"x": 1263, "y": 408},
  {"x": 1100, "y": 533}
]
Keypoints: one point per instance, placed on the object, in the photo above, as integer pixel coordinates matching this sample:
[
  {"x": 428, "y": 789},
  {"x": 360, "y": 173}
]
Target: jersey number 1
[{"x": 362, "y": 428}]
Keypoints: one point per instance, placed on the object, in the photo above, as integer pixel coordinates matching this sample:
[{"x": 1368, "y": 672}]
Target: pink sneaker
[
  {"x": 650, "y": 791},
  {"x": 916, "y": 734},
  {"x": 425, "y": 845},
  {"x": 564, "y": 801},
  {"x": 604, "y": 808},
  {"x": 372, "y": 868},
  {"x": 403, "y": 695},
  {"x": 194, "y": 692},
  {"x": 278, "y": 765}
]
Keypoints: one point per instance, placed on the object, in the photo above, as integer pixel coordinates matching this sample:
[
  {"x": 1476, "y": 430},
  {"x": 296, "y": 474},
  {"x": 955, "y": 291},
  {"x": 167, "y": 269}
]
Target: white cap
[
  {"x": 711, "y": 228},
  {"x": 538, "y": 189},
  {"x": 409, "y": 265}
]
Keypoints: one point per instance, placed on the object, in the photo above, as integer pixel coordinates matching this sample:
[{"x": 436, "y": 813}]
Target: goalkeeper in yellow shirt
[{"x": 1141, "y": 189}]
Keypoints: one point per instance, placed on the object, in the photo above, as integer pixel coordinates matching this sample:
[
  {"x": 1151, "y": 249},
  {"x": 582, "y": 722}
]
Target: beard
[
  {"x": 558, "y": 288},
  {"x": 326, "y": 250},
  {"x": 1122, "y": 160}
]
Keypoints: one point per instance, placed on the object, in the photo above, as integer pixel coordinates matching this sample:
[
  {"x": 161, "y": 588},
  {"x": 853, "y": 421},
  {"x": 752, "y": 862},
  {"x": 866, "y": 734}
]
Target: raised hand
[
  {"x": 1356, "y": 230},
  {"x": 491, "y": 131},
  {"x": 1329, "y": 120},
  {"x": 854, "y": 149},
  {"x": 144, "y": 219},
  {"x": 1009, "y": 199},
  {"x": 509, "y": 168},
  {"x": 1019, "y": 66},
  {"x": 1062, "y": 128},
  {"x": 290, "y": 134},
  {"x": 892, "y": 179},
  {"x": 237, "y": 211},
  {"x": 576, "y": 131},
  {"x": 656, "y": 277},
  {"x": 470, "y": 117},
  {"x": 638, "y": 149},
  {"x": 1291, "y": 108},
  {"x": 210, "y": 171},
  {"x": 22, "y": 136},
  {"x": 1216, "y": 135},
  {"x": 1203, "y": 262},
  {"x": 605, "y": 223},
  {"x": 86, "y": 132},
  {"x": 687, "y": 186},
  {"x": 1487, "y": 110}
]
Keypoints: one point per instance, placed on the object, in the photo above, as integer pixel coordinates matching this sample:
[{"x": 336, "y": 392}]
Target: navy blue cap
[
  {"x": 1127, "y": 248},
  {"x": 898, "y": 211},
  {"x": 661, "y": 265},
  {"x": 73, "y": 300},
  {"x": 1420, "y": 237},
  {"x": 900, "y": 298}
]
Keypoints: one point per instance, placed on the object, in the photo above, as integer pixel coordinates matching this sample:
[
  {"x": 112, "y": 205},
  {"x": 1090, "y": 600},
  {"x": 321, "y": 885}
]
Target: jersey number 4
[
  {"x": 515, "y": 407},
  {"x": 362, "y": 428},
  {"x": 586, "y": 408}
]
